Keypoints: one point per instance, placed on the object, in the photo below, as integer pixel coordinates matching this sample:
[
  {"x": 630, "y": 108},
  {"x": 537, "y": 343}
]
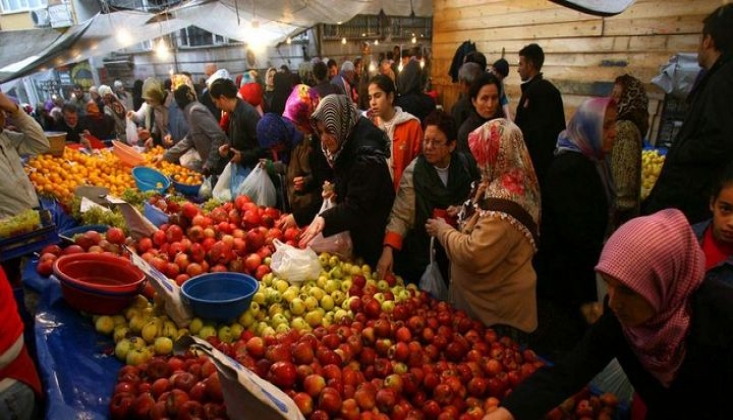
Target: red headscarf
[{"x": 658, "y": 257}]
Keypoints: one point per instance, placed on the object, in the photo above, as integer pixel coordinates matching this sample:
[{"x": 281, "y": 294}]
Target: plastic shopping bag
[
  {"x": 230, "y": 181},
  {"x": 205, "y": 192},
  {"x": 131, "y": 132},
  {"x": 431, "y": 280},
  {"x": 339, "y": 244},
  {"x": 191, "y": 159},
  {"x": 259, "y": 188},
  {"x": 293, "y": 264}
]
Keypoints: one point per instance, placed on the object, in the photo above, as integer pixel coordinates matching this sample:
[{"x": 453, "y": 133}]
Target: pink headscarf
[{"x": 658, "y": 257}]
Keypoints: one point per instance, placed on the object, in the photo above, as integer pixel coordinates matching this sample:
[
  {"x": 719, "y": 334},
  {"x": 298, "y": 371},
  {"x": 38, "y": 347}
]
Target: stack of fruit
[
  {"x": 23, "y": 222},
  {"x": 60, "y": 176},
  {"x": 651, "y": 166},
  {"x": 174, "y": 171}
]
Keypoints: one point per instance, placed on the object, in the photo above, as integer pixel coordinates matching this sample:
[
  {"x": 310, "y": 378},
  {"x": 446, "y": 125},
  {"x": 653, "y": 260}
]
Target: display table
[{"x": 75, "y": 363}]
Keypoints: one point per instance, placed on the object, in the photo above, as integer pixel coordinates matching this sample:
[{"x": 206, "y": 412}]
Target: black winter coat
[
  {"x": 701, "y": 390},
  {"x": 701, "y": 150},
  {"x": 541, "y": 116},
  {"x": 364, "y": 191},
  {"x": 574, "y": 220}
]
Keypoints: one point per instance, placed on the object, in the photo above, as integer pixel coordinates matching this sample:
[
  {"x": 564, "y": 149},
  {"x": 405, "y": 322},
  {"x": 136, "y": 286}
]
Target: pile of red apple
[
  {"x": 236, "y": 236},
  {"x": 424, "y": 360},
  {"x": 185, "y": 387},
  {"x": 586, "y": 406},
  {"x": 110, "y": 242}
]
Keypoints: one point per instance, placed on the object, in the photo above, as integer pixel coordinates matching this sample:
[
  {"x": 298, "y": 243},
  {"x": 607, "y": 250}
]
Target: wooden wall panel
[{"x": 583, "y": 53}]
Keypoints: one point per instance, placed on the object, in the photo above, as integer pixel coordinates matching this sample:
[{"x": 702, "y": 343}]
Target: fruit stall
[{"x": 335, "y": 343}]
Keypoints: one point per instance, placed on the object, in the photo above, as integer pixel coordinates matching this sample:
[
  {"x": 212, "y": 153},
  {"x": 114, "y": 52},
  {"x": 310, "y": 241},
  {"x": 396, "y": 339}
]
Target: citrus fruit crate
[{"x": 30, "y": 242}]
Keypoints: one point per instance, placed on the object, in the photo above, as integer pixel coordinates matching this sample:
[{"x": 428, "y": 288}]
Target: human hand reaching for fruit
[
  {"x": 385, "y": 263},
  {"x": 435, "y": 226},
  {"x": 287, "y": 222},
  {"x": 500, "y": 413},
  {"x": 314, "y": 229}
]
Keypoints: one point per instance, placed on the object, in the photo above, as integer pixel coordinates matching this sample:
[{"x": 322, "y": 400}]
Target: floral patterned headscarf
[
  {"x": 300, "y": 105},
  {"x": 634, "y": 103},
  {"x": 507, "y": 175},
  {"x": 339, "y": 115}
]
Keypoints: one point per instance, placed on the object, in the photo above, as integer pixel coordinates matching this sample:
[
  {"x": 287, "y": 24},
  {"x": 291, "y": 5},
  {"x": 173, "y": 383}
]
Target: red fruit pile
[
  {"x": 236, "y": 236},
  {"x": 92, "y": 241},
  {"x": 422, "y": 360},
  {"x": 585, "y": 406},
  {"x": 177, "y": 388}
]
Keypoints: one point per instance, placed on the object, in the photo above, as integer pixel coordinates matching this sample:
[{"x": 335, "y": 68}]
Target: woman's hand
[
  {"x": 131, "y": 115},
  {"x": 500, "y": 413},
  {"x": 435, "y": 226},
  {"x": 149, "y": 143},
  {"x": 385, "y": 263},
  {"x": 168, "y": 140},
  {"x": 328, "y": 191},
  {"x": 224, "y": 150},
  {"x": 453, "y": 211},
  {"x": 298, "y": 183},
  {"x": 236, "y": 156},
  {"x": 157, "y": 159},
  {"x": 314, "y": 229},
  {"x": 287, "y": 222}
]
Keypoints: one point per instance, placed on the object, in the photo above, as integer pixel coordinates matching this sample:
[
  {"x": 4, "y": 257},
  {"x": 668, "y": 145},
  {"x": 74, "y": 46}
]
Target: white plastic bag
[
  {"x": 222, "y": 190},
  {"x": 293, "y": 264},
  {"x": 432, "y": 280},
  {"x": 131, "y": 132},
  {"x": 205, "y": 191},
  {"x": 259, "y": 188},
  {"x": 339, "y": 244}
]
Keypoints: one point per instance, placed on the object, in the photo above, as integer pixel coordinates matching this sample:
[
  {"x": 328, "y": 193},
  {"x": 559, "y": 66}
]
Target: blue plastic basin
[
  {"x": 147, "y": 179},
  {"x": 219, "y": 296}
]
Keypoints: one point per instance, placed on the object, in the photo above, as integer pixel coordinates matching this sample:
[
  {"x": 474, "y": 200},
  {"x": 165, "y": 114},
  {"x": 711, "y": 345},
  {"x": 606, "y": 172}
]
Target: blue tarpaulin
[{"x": 76, "y": 363}]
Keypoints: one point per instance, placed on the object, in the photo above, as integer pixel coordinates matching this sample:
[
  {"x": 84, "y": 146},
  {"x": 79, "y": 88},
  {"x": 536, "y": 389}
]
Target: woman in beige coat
[{"x": 491, "y": 254}]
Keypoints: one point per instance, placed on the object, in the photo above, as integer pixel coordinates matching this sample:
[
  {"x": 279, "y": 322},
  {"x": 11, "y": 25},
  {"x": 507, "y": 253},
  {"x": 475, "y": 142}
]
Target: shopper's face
[
  {"x": 379, "y": 101},
  {"x": 78, "y": 93},
  {"x": 486, "y": 102},
  {"x": 71, "y": 118},
  {"x": 523, "y": 68},
  {"x": 328, "y": 139},
  {"x": 630, "y": 308},
  {"x": 271, "y": 78},
  {"x": 435, "y": 147},
  {"x": 722, "y": 208},
  {"x": 609, "y": 129}
]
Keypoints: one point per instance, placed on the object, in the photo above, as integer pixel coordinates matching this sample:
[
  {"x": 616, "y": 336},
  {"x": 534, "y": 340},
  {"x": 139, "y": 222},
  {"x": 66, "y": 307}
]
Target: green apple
[
  {"x": 311, "y": 303},
  {"x": 119, "y": 333},
  {"x": 336, "y": 272},
  {"x": 140, "y": 301},
  {"x": 379, "y": 297},
  {"x": 163, "y": 346},
  {"x": 196, "y": 325},
  {"x": 338, "y": 297},
  {"x": 268, "y": 331},
  {"x": 314, "y": 318},
  {"x": 334, "y": 261},
  {"x": 323, "y": 258},
  {"x": 137, "y": 322},
  {"x": 388, "y": 306},
  {"x": 119, "y": 320},
  {"x": 207, "y": 331},
  {"x": 322, "y": 280},
  {"x": 289, "y": 294},
  {"x": 346, "y": 285},
  {"x": 282, "y": 328},
  {"x": 237, "y": 329},
  {"x": 254, "y": 308},
  {"x": 169, "y": 329},
  {"x": 340, "y": 315},
  {"x": 382, "y": 285},
  {"x": 267, "y": 279},
  {"x": 299, "y": 323},
  {"x": 355, "y": 269},
  {"x": 317, "y": 292},
  {"x": 278, "y": 319},
  {"x": 297, "y": 306},
  {"x": 327, "y": 302},
  {"x": 181, "y": 332},
  {"x": 122, "y": 348},
  {"x": 332, "y": 285},
  {"x": 275, "y": 308},
  {"x": 280, "y": 285},
  {"x": 247, "y": 318},
  {"x": 259, "y": 297},
  {"x": 104, "y": 325},
  {"x": 225, "y": 334}
]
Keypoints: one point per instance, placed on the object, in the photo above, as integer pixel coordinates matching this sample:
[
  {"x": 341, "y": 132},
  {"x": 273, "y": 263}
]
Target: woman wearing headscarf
[
  {"x": 578, "y": 198},
  {"x": 291, "y": 138},
  {"x": 250, "y": 90},
  {"x": 671, "y": 331},
  {"x": 204, "y": 134},
  {"x": 269, "y": 89},
  {"x": 632, "y": 124},
  {"x": 153, "y": 115},
  {"x": 281, "y": 92},
  {"x": 491, "y": 253},
  {"x": 435, "y": 179},
  {"x": 412, "y": 97},
  {"x": 115, "y": 109},
  {"x": 357, "y": 151}
]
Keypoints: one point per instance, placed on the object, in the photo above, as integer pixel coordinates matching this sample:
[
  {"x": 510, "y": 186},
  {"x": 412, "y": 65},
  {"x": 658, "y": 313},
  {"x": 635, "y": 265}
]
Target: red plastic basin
[
  {"x": 95, "y": 303},
  {"x": 106, "y": 274}
]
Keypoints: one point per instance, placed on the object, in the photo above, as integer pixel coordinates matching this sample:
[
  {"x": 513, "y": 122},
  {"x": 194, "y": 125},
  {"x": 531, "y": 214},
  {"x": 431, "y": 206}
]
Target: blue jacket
[{"x": 723, "y": 271}]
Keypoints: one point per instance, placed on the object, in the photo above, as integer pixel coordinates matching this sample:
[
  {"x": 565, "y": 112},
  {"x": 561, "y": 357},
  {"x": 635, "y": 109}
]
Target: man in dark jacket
[
  {"x": 243, "y": 147},
  {"x": 540, "y": 112},
  {"x": 704, "y": 144},
  {"x": 463, "y": 107}
]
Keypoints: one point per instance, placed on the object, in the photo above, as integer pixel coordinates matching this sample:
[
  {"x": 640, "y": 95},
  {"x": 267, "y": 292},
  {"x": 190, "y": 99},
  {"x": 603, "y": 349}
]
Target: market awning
[
  {"x": 102, "y": 34},
  {"x": 252, "y": 22}
]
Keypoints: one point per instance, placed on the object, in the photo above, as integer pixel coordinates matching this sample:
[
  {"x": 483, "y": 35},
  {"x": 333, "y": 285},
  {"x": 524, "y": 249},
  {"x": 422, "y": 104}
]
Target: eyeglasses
[{"x": 433, "y": 143}]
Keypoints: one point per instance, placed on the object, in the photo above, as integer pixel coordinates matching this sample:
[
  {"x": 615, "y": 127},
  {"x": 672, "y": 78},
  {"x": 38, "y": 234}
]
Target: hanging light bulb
[
  {"x": 161, "y": 50},
  {"x": 376, "y": 42},
  {"x": 122, "y": 36},
  {"x": 422, "y": 63},
  {"x": 372, "y": 67},
  {"x": 414, "y": 39},
  {"x": 399, "y": 68},
  {"x": 288, "y": 41},
  {"x": 343, "y": 40}
]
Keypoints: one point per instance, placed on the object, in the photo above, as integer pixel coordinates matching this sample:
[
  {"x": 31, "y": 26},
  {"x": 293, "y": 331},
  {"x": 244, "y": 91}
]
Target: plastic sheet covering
[{"x": 77, "y": 372}]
